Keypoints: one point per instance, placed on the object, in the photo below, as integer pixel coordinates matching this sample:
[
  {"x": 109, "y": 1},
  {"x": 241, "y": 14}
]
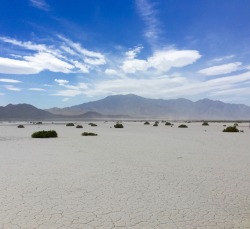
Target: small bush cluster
[
  {"x": 70, "y": 124},
  {"x": 156, "y": 124},
  {"x": 168, "y": 124},
  {"x": 182, "y": 126},
  {"x": 146, "y": 123},
  {"x": 205, "y": 124},
  {"x": 45, "y": 134},
  {"x": 231, "y": 129},
  {"x": 79, "y": 126},
  {"x": 118, "y": 125},
  {"x": 88, "y": 134},
  {"x": 92, "y": 124},
  {"x": 20, "y": 126}
]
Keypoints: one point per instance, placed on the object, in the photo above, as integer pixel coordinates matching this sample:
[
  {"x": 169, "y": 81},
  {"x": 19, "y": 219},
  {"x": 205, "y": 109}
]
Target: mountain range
[{"x": 132, "y": 107}]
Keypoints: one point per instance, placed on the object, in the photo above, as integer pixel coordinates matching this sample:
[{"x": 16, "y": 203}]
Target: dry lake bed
[{"x": 137, "y": 177}]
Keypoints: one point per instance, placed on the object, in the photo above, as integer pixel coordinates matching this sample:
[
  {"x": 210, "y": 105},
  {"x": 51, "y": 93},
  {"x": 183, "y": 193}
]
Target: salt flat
[{"x": 136, "y": 177}]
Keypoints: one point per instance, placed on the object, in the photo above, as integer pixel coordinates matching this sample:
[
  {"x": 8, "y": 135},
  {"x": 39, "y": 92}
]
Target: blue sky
[{"x": 61, "y": 53}]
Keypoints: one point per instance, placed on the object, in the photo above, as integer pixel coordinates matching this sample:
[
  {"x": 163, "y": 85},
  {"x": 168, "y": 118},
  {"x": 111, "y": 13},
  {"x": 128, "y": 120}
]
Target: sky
[{"x": 64, "y": 53}]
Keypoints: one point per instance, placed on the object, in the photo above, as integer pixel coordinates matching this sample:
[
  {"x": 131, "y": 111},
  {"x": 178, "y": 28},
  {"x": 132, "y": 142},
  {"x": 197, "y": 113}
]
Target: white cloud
[
  {"x": 40, "y": 4},
  {"x": 61, "y": 82},
  {"x": 12, "y": 66},
  {"x": 10, "y": 81},
  {"x": 132, "y": 66},
  {"x": 110, "y": 71},
  {"x": 131, "y": 54},
  {"x": 65, "y": 58},
  {"x": 162, "y": 61},
  {"x": 46, "y": 61},
  {"x": 165, "y": 60},
  {"x": 12, "y": 88},
  {"x": 36, "y": 89},
  {"x": 67, "y": 93},
  {"x": 221, "y": 69}
]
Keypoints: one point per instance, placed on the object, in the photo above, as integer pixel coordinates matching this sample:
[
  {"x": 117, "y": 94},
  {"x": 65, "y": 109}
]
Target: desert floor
[{"x": 137, "y": 177}]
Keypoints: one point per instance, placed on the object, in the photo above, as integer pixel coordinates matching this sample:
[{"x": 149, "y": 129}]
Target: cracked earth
[{"x": 136, "y": 177}]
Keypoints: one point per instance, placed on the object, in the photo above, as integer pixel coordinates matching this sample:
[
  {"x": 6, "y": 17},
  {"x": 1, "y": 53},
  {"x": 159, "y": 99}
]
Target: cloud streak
[
  {"x": 221, "y": 69},
  {"x": 10, "y": 81},
  {"x": 148, "y": 14},
  {"x": 40, "y": 4}
]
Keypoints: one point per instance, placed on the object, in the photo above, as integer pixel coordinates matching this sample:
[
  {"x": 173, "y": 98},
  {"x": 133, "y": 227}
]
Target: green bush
[
  {"x": 182, "y": 126},
  {"x": 205, "y": 124},
  {"x": 155, "y": 124},
  {"x": 44, "y": 134},
  {"x": 231, "y": 129},
  {"x": 92, "y": 124},
  {"x": 20, "y": 126},
  {"x": 146, "y": 123},
  {"x": 79, "y": 126},
  {"x": 88, "y": 134},
  {"x": 168, "y": 124},
  {"x": 118, "y": 125},
  {"x": 70, "y": 124}
]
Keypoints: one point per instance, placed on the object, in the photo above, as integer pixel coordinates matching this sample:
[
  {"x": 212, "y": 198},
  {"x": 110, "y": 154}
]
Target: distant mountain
[
  {"x": 139, "y": 107},
  {"x": 26, "y": 112},
  {"x": 23, "y": 112}
]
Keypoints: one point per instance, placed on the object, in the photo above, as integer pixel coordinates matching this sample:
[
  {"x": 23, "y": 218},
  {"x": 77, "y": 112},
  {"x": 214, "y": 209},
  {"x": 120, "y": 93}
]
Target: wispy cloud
[
  {"x": 56, "y": 57},
  {"x": 40, "y": 4},
  {"x": 10, "y": 81},
  {"x": 221, "y": 69},
  {"x": 149, "y": 16},
  {"x": 12, "y": 88},
  {"x": 36, "y": 89}
]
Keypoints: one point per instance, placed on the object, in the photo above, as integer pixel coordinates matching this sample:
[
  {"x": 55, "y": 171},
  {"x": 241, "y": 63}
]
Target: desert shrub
[
  {"x": 70, "y": 124},
  {"x": 79, "y": 126},
  {"x": 168, "y": 124},
  {"x": 92, "y": 124},
  {"x": 231, "y": 129},
  {"x": 45, "y": 134},
  {"x": 146, "y": 123},
  {"x": 182, "y": 126},
  {"x": 118, "y": 125},
  {"x": 205, "y": 124},
  {"x": 236, "y": 124},
  {"x": 88, "y": 134},
  {"x": 20, "y": 126},
  {"x": 155, "y": 124},
  {"x": 38, "y": 123}
]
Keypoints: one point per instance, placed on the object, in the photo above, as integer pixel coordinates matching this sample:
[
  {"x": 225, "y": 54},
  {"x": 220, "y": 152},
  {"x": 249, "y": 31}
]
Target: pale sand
[{"x": 136, "y": 177}]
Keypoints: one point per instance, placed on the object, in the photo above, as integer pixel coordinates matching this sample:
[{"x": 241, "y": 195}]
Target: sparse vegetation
[
  {"x": 155, "y": 124},
  {"x": 88, "y": 134},
  {"x": 45, "y": 134},
  {"x": 92, "y": 124},
  {"x": 231, "y": 129},
  {"x": 168, "y": 124},
  {"x": 20, "y": 126},
  {"x": 182, "y": 126},
  {"x": 205, "y": 124},
  {"x": 79, "y": 126},
  {"x": 118, "y": 125},
  {"x": 38, "y": 123},
  {"x": 70, "y": 124},
  {"x": 146, "y": 123}
]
